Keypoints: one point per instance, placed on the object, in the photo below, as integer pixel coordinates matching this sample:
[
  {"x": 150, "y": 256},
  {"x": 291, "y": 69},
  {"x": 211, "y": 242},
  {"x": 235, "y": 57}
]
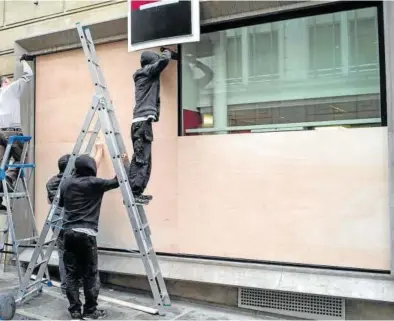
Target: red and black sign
[{"x": 158, "y": 20}]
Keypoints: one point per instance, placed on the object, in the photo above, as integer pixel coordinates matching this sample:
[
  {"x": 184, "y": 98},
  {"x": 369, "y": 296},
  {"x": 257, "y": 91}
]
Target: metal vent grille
[{"x": 302, "y": 305}]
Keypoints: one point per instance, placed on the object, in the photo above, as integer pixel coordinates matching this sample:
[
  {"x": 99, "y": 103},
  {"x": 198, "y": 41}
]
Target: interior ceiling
[{"x": 211, "y": 12}]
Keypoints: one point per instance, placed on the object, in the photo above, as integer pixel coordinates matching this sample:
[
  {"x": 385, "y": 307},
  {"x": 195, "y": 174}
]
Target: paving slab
[{"x": 52, "y": 305}]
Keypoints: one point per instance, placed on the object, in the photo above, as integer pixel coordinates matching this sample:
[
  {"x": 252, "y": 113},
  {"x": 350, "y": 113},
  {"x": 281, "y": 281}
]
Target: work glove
[
  {"x": 26, "y": 57},
  {"x": 174, "y": 54}
]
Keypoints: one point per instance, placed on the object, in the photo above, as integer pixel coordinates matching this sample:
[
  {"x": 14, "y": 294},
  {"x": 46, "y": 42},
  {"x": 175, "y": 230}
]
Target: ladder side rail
[
  {"x": 89, "y": 50},
  {"x": 98, "y": 77},
  {"x": 76, "y": 150},
  {"x": 130, "y": 204},
  {"x": 6, "y": 156},
  {"x": 26, "y": 188},
  {"x": 20, "y": 172},
  {"x": 11, "y": 226},
  {"x": 47, "y": 256},
  {"x": 118, "y": 135},
  {"x": 94, "y": 62},
  {"x": 93, "y": 137},
  {"x": 54, "y": 205}
]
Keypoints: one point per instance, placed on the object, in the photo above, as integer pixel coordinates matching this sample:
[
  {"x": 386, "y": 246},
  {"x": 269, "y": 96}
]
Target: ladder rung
[
  {"x": 34, "y": 283},
  {"x": 98, "y": 84},
  {"x": 156, "y": 274},
  {"x": 144, "y": 226},
  {"x": 57, "y": 220},
  {"x": 49, "y": 241},
  {"x": 33, "y": 277},
  {"x": 26, "y": 165},
  {"x": 15, "y": 195},
  {"x": 149, "y": 250},
  {"x": 41, "y": 263},
  {"x": 7, "y": 252},
  {"x": 13, "y": 139},
  {"x": 34, "y": 238},
  {"x": 94, "y": 62}
]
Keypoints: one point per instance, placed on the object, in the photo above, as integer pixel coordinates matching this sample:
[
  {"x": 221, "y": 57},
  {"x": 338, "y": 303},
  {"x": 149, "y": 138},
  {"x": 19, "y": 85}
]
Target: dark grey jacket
[
  {"x": 147, "y": 83},
  {"x": 54, "y": 182},
  {"x": 82, "y": 193}
]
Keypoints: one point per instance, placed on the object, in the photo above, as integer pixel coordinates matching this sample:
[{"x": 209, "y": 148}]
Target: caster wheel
[{"x": 7, "y": 307}]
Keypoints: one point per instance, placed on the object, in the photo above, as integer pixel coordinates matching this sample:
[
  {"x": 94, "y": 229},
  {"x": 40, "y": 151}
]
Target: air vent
[{"x": 307, "y": 306}]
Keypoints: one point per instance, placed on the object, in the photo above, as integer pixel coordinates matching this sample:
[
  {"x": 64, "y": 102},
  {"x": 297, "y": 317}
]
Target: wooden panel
[
  {"x": 312, "y": 197},
  {"x": 65, "y": 100},
  {"x": 22, "y": 10}
]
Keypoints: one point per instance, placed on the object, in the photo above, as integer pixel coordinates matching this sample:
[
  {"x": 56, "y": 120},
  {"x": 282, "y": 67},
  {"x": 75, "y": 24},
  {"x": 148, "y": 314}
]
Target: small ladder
[
  {"x": 108, "y": 124},
  {"x": 9, "y": 244}
]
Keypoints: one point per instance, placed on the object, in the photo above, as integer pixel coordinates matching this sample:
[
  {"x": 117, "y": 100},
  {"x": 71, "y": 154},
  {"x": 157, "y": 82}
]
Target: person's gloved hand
[
  {"x": 174, "y": 54},
  {"x": 26, "y": 57}
]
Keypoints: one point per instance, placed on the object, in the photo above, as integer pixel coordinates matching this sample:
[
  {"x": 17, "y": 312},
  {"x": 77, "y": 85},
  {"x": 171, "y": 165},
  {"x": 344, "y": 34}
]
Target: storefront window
[{"x": 290, "y": 75}]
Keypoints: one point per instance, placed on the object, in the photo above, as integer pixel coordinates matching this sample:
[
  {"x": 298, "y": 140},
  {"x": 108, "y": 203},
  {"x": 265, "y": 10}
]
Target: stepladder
[
  {"x": 15, "y": 176},
  {"x": 100, "y": 118}
]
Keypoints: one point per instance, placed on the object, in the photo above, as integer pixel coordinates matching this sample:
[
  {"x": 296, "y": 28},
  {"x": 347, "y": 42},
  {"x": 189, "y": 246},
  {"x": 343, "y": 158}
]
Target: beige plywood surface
[
  {"x": 313, "y": 197},
  {"x": 63, "y": 98}
]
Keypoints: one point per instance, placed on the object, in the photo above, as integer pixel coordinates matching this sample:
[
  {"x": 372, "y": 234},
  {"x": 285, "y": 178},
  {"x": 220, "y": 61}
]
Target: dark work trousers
[
  {"x": 141, "y": 163},
  {"x": 16, "y": 153},
  {"x": 80, "y": 259}
]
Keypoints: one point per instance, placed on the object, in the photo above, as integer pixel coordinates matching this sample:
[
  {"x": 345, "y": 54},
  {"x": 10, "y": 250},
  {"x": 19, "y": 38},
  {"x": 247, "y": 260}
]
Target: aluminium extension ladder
[
  {"x": 9, "y": 244},
  {"x": 108, "y": 124}
]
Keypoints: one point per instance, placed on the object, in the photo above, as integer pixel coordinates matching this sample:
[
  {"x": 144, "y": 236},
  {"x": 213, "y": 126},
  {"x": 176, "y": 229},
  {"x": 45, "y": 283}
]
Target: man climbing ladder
[
  {"x": 10, "y": 119},
  {"x": 108, "y": 124}
]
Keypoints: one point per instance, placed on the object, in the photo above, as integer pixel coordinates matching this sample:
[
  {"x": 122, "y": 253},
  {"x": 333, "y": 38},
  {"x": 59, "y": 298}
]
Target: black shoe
[
  {"x": 147, "y": 197},
  {"x": 98, "y": 314},
  {"x": 139, "y": 199},
  {"x": 76, "y": 315}
]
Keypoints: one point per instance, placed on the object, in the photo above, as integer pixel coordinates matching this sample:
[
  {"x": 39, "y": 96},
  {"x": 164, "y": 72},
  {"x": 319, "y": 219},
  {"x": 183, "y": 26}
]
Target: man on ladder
[
  {"x": 146, "y": 110},
  {"x": 10, "y": 119}
]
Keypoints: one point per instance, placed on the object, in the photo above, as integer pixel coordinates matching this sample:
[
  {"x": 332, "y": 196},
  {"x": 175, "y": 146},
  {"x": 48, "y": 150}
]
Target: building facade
[{"x": 272, "y": 172}]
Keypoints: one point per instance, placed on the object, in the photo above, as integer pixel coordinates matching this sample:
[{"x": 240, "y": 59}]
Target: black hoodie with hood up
[
  {"x": 147, "y": 84},
  {"x": 54, "y": 182},
  {"x": 82, "y": 193}
]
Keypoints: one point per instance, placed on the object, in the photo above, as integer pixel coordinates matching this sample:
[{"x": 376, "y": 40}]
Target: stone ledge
[{"x": 352, "y": 285}]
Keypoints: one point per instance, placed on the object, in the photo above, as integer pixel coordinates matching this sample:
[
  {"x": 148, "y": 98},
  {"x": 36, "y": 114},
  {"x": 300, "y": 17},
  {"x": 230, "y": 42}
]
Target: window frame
[{"x": 327, "y": 8}]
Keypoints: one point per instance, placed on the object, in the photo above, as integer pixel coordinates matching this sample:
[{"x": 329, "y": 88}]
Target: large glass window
[{"x": 290, "y": 75}]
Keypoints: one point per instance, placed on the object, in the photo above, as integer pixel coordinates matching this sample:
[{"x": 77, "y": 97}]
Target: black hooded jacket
[
  {"x": 54, "y": 182},
  {"x": 147, "y": 84},
  {"x": 82, "y": 193}
]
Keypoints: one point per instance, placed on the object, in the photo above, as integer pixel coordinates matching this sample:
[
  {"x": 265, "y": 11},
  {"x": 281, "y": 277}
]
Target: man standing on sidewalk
[
  {"x": 52, "y": 186},
  {"x": 10, "y": 119}
]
